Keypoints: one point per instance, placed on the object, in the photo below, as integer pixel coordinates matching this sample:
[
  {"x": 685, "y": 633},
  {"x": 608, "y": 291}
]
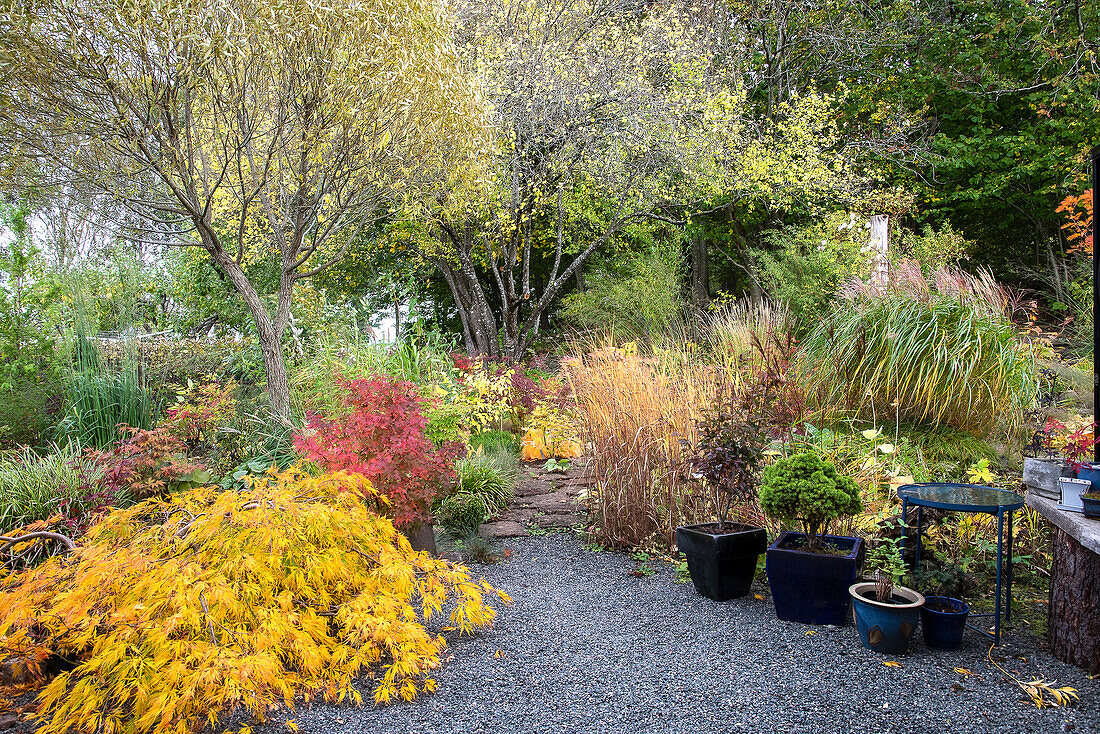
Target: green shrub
[
  {"x": 34, "y": 487},
  {"x": 315, "y": 381},
  {"x": 489, "y": 475},
  {"x": 934, "y": 249},
  {"x": 266, "y": 441},
  {"x": 496, "y": 442},
  {"x": 638, "y": 299},
  {"x": 804, "y": 267},
  {"x": 933, "y": 360},
  {"x": 445, "y": 423},
  {"x": 28, "y": 412},
  {"x": 807, "y": 489},
  {"x": 462, "y": 513}
]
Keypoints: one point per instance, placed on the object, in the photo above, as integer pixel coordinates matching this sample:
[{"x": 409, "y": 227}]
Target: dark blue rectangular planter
[
  {"x": 1090, "y": 472},
  {"x": 812, "y": 588}
]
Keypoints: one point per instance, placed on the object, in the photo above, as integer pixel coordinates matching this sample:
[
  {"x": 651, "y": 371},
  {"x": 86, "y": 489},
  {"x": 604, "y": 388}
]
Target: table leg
[
  {"x": 997, "y": 603},
  {"x": 1008, "y": 577},
  {"x": 905, "y": 522},
  {"x": 920, "y": 533}
]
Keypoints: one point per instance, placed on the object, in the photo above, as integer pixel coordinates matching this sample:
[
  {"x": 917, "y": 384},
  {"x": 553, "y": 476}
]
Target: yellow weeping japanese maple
[{"x": 179, "y": 611}]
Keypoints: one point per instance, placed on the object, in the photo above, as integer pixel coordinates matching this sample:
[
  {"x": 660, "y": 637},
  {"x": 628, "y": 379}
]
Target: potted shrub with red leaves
[{"x": 721, "y": 556}]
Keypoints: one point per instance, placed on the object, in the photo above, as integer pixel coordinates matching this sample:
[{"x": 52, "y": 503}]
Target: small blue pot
[
  {"x": 1090, "y": 472},
  {"x": 944, "y": 630},
  {"x": 885, "y": 628}
]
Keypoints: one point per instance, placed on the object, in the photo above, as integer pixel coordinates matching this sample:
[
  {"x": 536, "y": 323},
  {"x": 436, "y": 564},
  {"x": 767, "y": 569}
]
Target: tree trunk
[
  {"x": 479, "y": 329},
  {"x": 1075, "y": 603},
  {"x": 700, "y": 272},
  {"x": 278, "y": 384}
]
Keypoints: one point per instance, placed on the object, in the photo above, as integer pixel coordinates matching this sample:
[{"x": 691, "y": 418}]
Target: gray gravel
[{"x": 588, "y": 648}]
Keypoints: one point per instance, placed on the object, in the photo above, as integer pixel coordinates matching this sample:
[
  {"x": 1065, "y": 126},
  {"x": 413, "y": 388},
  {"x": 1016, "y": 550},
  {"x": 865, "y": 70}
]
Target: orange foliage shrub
[
  {"x": 181, "y": 610},
  {"x": 1078, "y": 224}
]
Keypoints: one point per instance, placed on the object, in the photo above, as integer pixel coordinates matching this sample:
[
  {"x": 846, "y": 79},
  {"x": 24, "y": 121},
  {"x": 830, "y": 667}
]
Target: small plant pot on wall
[
  {"x": 886, "y": 626},
  {"x": 943, "y": 621},
  {"x": 812, "y": 588},
  {"x": 1041, "y": 476},
  {"x": 721, "y": 560},
  {"x": 1090, "y": 505}
]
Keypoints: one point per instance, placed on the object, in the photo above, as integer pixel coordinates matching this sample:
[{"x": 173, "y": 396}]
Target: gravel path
[{"x": 588, "y": 648}]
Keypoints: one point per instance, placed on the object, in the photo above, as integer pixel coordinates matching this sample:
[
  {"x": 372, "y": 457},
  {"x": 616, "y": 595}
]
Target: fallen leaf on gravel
[
  {"x": 292, "y": 725},
  {"x": 892, "y": 664}
]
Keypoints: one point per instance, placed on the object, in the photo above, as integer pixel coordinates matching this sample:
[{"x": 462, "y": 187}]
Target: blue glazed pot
[
  {"x": 812, "y": 588},
  {"x": 883, "y": 627},
  {"x": 943, "y": 630},
  {"x": 1090, "y": 472}
]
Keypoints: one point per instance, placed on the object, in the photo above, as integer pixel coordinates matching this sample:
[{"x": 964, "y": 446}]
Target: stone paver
[{"x": 545, "y": 500}]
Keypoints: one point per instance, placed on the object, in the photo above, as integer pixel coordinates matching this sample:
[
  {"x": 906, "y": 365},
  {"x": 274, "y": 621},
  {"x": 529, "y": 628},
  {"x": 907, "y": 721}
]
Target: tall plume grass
[
  {"x": 939, "y": 350},
  {"x": 734, "y": 331},
  {"x": 979, "y": 291},
  {"x": 636, "y": 411}
]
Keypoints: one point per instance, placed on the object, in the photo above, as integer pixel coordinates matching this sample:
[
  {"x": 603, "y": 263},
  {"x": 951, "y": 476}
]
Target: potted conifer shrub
[{"x": 809, "y": 572}]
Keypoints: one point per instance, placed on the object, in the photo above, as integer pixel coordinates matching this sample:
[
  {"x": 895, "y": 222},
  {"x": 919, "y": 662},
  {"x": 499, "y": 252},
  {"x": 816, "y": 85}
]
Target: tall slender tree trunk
[
  {"x": 700, "y": 272},
  {"x": 269, "y": 336}
]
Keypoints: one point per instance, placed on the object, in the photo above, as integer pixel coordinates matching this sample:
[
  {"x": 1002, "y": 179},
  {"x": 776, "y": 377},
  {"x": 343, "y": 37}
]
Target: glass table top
[{"x": 963, "y": 497}]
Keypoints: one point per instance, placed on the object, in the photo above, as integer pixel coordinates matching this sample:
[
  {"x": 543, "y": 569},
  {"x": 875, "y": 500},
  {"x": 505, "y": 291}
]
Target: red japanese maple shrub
[
  {"x": 148, "y": 463},
  {"x": 383, "y": 439}
]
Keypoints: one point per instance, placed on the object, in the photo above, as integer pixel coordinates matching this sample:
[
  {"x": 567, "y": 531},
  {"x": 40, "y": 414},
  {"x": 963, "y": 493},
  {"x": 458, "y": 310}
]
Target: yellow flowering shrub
[
  {"x": 485, "y": 398},
  {"x": 180, "y": 611}
]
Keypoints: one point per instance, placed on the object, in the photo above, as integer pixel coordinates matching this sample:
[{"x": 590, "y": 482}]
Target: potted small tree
[
  {"x": 809, "y": 572},
  {"x": 943, "y": 616},
  {"x": 1058, "y": 451},
  {"x": 722, "y": 556},
  {"x": 886, "y": 613}
]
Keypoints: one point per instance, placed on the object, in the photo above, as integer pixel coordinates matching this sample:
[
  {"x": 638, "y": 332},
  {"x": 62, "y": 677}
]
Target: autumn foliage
[
  {"x": 382, "y": 437},
  {"x": 179, "y": 611},
  {"x": 147, "y": 463},
  {"x": 1078, "y": 224}
]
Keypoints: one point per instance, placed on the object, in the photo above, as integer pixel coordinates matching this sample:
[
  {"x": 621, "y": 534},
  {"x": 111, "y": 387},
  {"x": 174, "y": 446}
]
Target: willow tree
[{"x": 247, "y": 128}]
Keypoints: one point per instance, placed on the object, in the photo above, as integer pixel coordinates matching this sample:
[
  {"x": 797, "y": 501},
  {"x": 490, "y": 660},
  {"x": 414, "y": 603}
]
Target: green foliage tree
[
  {"x": 29, "y": 304},
  {"x": 251, "y": 130}
]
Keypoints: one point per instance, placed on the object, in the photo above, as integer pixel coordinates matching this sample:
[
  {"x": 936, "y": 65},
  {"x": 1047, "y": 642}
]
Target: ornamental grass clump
[
  {"x": 637, "y": 412},
  {"x": 946, "y": 356},
  {"x": 179, "y": 612},
  {"x": 806, "y": 489}
]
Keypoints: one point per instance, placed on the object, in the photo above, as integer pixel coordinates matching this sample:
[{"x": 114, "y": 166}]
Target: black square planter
[{"x": 722, "y": 565}]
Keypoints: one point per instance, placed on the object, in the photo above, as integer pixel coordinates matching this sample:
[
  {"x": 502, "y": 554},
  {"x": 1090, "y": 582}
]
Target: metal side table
[{"x": 971, "y": 498}]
